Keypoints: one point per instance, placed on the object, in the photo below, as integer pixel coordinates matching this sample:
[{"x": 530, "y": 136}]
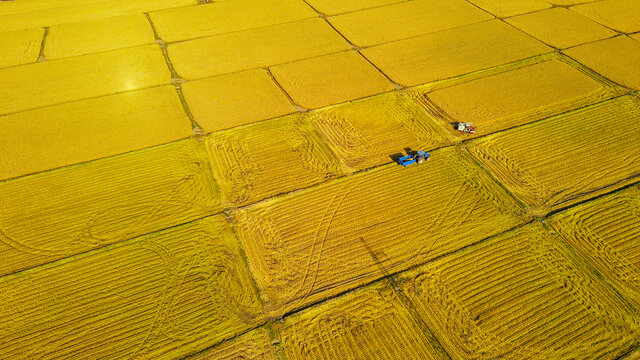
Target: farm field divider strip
[{"x": 174, "y": 75}]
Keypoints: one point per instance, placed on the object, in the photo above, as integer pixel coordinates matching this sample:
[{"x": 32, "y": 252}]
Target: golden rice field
[{"x": 218, "y": 179}]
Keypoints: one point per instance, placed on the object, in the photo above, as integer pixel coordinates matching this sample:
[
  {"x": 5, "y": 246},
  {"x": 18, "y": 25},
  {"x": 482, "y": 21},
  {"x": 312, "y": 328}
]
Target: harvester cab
[{"x": 466, "y": 128}]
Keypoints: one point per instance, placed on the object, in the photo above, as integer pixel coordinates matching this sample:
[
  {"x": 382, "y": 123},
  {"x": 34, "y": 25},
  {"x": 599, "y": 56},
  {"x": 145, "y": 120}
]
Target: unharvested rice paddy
[{"x": 219, "y": 180}]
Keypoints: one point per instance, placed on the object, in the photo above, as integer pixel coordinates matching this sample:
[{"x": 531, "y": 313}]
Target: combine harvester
[
  {"x": 417, "y": 157},
  {"x": 466, "y": 128}
]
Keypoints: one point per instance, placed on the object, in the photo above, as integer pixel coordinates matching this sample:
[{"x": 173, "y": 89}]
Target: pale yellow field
[
  {"x": 43, "y": 13},
  {"x": 502, "y": 8},
  {"x": 560, "y": 27},
  {"x": 25, "y": 87},
  {"x": 269, "y": 158},
  {"x": 98, "y": 35},
  {"x": 231, "y": 100},
  {"x": 522, "y": 295},
  {"x": 160, "y": 296},
  {"x": 620, "y": 15},
  {"x": 382, "y": 24},
  {"x": 317, "y": 243},
  {"x": 516, "y": 97},
  {"x": 226, "y": 16},
  {"x": 219, "y": 179},
  {"x": 364, "y": 133},
  {"x": 478, "y": 46},
  {"x": 255, "y": 48},
  {"x": 617, "y": 58},
  {"x": 20, "y": 47},
  {"x": 565, "y": 159},
  {"x": 334, "y": 7},
  {"x": 56, "y": 214},
  {"x": 334, "y": 78},
  {"x": 369, "y": 323},
  {"x": 606, "y": 231},
  {"x": 118, "y": 124}
]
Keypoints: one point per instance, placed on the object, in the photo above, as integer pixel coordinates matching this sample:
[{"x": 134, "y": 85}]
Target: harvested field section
[
  {"x": 618, "y": 59},
  {"x": 261, "y": 160},
  {"x": 620, "y": 15},
  {"x": 562, "y": 160},
  {"x": 561, "y": 28},
  {"x": 254, "y": 345},
  {"x": 310, "y": 245},
  {"x": 522, "y": 295},
  {"x": 366, "y": 132},
  {"x": 226, "y": 16},
  {"x": 20, "y": 47},
  {"x": 161, "y": 296},
  {"x": 90, "y": 129},
  {"x": 407, "y": 19},
  {"x": 369, "y": 323},
  {"x": 515, "y": 97},
  {"x": 606, "y": 231},
  {"x": 478, "y": 46},
  {"x": 56, "y": 214}
]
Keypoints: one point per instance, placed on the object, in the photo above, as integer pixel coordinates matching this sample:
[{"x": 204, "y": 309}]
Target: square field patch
[
  {"x": 268, "y": 158},
  {"x": 369, "y": 132}
]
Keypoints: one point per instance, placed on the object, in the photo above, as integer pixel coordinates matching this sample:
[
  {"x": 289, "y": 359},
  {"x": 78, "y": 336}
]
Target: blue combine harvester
[{"x": 418, "y": 157}]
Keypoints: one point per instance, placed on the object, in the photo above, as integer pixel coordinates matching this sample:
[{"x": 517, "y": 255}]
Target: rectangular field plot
[
  {"x": 606, "y": 231},
  {"x": 407, "y": 19},
  {"x": 478, "y": 46},
  {"x": 221, "y": 17},
  {"x": 560, "y": 161},
  {"x": 515, "y": 97},
  {"x": 81, "y": 77},
  {"x": 254, "y": 345},
  {"x": 56, "y": 214},
  {"x": 161, "y": 296},
  {"x": 501, "y": 8},
  {"x": 522, "y": 295},
  {"x": 365, "y": 133},
  {"x": 261, "y": 160},
  {"x": 20, "y": 47},
  {"x": 325, "y": 240},
  {"x": 370, "y": 323}
]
